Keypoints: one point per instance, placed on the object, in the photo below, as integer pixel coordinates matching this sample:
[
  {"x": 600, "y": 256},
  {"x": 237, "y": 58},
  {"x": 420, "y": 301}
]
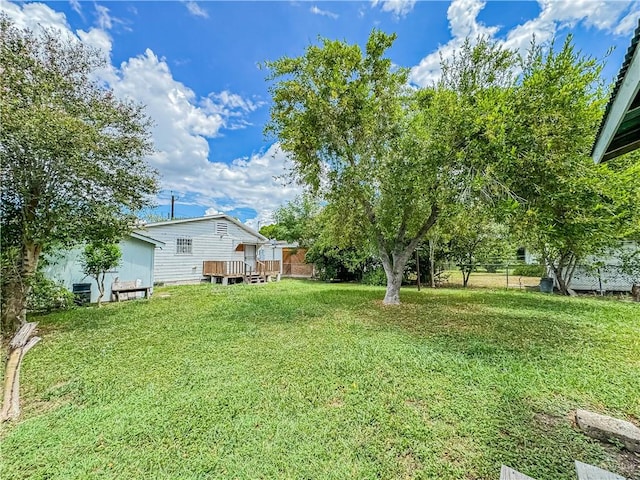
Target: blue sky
[{"x": 195, "y": 65}]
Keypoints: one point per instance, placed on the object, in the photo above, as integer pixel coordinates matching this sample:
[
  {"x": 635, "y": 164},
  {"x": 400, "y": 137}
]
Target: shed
[{"x": 137, "y": 265}]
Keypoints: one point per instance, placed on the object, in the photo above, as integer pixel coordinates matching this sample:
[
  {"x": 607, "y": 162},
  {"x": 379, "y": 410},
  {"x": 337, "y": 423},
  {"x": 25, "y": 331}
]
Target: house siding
[
  {"x": 171, "y": 267},
  {"x": 136, "y": 264},
  {"x": 270, "y": 252},
  {"x": 609, "y": 278}
]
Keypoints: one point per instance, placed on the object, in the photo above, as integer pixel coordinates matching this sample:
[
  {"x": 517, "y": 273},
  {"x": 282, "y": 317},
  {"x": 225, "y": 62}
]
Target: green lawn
[{"x": 321, "y": 381}]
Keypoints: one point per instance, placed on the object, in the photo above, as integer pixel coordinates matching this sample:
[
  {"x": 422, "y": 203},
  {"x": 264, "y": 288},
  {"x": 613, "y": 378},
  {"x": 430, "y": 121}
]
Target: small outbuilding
[{"x": 136, "y": 265}]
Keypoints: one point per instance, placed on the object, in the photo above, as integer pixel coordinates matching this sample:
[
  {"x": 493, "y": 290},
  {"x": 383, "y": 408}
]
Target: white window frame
[{"x": 184, "y": 246}]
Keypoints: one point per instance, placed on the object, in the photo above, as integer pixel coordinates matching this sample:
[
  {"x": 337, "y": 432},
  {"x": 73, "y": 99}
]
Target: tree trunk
[
  {"x": 394, "y": 264},
  {"x": 18, "y": 348},
  {"x": 432, "y": 263},
  {"x": 466, "y": 273},
  {"x": 394, "y": 269},
  {"x": 562, "y": 286},
  {"x": 13, "y": 306},
  {"x": 564, "y": 272},
  {"x": 100, "y": 283},
  {"x": 14, "y": 313}
]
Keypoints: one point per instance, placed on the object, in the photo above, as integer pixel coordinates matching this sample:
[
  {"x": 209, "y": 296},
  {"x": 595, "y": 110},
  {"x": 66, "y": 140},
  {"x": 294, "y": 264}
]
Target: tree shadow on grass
[{"x": 479, "y": 322}]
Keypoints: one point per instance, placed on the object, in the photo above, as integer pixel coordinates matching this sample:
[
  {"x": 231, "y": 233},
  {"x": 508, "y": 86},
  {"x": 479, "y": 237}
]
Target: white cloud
[
  {"x": 554, "y": 15},
  {"x": 196, "y": 10},
  {"x": 263, "y": 219},
  {"x": 325, "y": 13},
  {"x": 35, "y": 15},
  {"x": 253, "y": 182},
  {"x": 462, "y": 15},
  {"x": 629, "y": 23},
  {"x": 183, "y": 124},
  {"x": 75, "y": 5},
  {"x": 103, "y": 18},
  {"x": 399, "y": 8},
  {"x": 96, "y": 38}
]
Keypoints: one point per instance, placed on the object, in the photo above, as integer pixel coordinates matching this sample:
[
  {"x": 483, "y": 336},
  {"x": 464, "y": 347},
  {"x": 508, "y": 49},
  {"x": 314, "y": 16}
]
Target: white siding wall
[
  {"x": 136, "y": 264},
  {"x": 609, "y": 276},
  {"x": 271, "y": 252},
  {"x": 171, "y": 267}
]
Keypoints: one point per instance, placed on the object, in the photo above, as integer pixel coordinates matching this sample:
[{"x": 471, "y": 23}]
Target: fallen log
[{"x": 19, "y": 345}]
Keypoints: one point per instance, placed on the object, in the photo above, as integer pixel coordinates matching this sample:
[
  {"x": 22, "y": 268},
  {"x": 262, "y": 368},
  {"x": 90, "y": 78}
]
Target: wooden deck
[{"x": 221, "y": 271}]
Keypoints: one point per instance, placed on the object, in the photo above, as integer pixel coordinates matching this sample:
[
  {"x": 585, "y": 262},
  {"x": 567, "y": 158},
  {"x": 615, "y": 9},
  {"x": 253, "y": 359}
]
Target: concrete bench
[{"x": 118, "y": 288}]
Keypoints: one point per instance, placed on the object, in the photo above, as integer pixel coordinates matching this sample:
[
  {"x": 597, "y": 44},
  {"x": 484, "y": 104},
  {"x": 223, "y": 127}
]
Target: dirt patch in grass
[
  {"x": 547, "y": 421},
  {"x": 628, "y": 462},
  {"x": 409, "y": 464}
]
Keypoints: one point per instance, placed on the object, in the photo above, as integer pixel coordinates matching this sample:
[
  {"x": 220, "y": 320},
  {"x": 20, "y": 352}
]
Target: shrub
[
  {"x": 529, "y": 270},
  {"x": 375, "y": 276},
  {"x": 47, "y": 295}
]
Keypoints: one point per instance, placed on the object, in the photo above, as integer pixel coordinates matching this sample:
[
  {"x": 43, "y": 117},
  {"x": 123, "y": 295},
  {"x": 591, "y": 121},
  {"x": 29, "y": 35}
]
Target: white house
[
  {"x": 606, "y": 274},
  {"x": 619, "y": 133},
  {"x": 215, "y": 246},
  {"x": 136, "y": 265},
  {"x": 619, "y": 130}
]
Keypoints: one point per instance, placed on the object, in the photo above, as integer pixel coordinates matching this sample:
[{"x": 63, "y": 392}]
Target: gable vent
[{"x": 222, "y": 228}]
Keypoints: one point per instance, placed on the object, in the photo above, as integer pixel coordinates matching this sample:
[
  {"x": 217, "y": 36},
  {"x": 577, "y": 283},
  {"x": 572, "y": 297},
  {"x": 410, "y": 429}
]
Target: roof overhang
[
  {"x": 620, "y": 128},
  {"x": 144, "y": 238},
  {"x": 222, "y": 216}
]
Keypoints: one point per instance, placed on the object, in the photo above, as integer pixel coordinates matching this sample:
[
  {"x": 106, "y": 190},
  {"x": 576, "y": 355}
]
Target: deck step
[{"x": 589, "y": 472}]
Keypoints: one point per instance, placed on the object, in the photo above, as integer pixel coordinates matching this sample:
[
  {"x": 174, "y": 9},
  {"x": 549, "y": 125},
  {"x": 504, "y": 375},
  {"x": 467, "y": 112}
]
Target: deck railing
[
  {"x": 238, "y": 268},
  {"x": 268, "y": 267},
  {"x": 224, "y": 268}
]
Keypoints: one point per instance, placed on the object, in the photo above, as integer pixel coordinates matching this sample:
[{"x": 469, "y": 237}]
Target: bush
[
  {"x": 529, "y": 271},
  {"x": 47, "y": 295},
  {"x": 375, "y": 276}
]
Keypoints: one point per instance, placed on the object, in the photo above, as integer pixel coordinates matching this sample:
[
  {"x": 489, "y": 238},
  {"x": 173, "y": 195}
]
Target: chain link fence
[
  {"x": 602, "y": 279},
  {"x": 495, "y": 275}
]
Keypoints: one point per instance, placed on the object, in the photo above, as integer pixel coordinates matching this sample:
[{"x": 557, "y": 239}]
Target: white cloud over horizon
[
  {"x": 616, "y": 17},
  {"x": 399, "y": 8},
  {"x": 196, "y": 10},
  {"x": 184, "y": 122},
  {"x": 325, "y": 13}
]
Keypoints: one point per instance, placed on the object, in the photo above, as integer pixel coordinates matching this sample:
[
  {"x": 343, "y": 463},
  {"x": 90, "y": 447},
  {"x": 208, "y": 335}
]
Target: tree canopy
[
  {"x": 568, "y": 208},
  {"x": 72, "y": 154},
  {"x": 97, "y": 259},
  {"x": 388, "y": 159}
]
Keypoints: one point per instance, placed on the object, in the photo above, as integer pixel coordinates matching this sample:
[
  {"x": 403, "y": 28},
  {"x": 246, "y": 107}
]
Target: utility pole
[{"x": 173, "y": 201}]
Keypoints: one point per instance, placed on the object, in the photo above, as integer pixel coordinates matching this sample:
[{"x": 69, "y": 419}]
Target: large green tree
[
  {"x": 568, "y": 208},
  {"x": 71, "y": 155},
  {"x": 388, "y": 159},
  {"x": 296, "y": 221}
]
